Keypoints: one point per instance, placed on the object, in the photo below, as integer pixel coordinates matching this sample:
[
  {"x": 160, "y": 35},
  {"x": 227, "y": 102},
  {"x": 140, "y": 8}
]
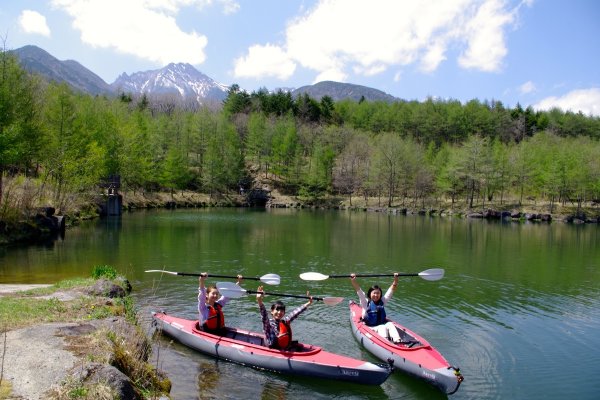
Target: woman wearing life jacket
[
  {"x": 210, "y": 306},
  {"x": 373, "y": 310},
  {"x": 278, "y": 330}
]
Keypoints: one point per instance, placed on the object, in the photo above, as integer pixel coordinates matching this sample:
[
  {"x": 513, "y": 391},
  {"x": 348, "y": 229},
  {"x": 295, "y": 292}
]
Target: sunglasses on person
[{"x": 279, "y": 308}]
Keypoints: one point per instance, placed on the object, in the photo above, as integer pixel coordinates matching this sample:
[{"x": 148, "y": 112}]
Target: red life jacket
[
  {"x": 215, "y": 320},
  {"x": 284, "y": 338}
]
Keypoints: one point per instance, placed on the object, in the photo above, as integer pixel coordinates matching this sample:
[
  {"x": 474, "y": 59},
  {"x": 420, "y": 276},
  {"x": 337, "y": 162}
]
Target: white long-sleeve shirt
[
  {"x": 203, "y": 309},
  {"x": 364, "y": 301}
]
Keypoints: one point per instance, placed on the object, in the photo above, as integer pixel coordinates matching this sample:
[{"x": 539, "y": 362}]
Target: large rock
[
  {"x": 106, "y": 288},
  {"x": 95, "y": 373}
]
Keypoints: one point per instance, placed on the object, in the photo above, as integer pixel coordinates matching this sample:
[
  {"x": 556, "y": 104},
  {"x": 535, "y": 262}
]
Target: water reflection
[
  {"x": 517, "y": 309},
  {"x": 208, "y": 380},
  {"x": 273, "y": 390}
]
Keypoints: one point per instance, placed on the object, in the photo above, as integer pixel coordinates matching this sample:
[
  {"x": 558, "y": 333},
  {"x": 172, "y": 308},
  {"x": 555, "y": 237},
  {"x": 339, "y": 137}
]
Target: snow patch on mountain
[{"x": 177, "y": 78}]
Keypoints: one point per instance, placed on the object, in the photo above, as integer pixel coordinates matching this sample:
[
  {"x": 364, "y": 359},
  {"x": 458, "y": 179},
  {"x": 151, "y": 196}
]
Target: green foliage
[
  {"x": 223, "y": 162},
  {"x": 104, "y": 271},
  {"x": 175, "y": 170},
  {"x": 237, "y": 101},
  {"x": 20, "y": 138},
  {"x": 407, "y": 150}
]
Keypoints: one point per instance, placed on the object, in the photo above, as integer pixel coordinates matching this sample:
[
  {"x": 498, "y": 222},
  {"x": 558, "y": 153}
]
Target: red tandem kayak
[
  {"x": 245, "y": 348},
  {"x": 414, "y": 356}
]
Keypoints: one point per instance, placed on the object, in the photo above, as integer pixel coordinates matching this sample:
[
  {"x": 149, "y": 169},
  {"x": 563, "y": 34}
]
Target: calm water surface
[{"x": 518, "y": 310}]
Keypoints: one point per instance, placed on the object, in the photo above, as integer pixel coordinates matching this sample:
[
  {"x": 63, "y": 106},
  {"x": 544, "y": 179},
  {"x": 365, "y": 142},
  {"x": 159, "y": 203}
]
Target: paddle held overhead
[
  {"x": 234, "y": 291},
  {"x": 433, "y": 274},
  {"x": 269, "y": 279}
]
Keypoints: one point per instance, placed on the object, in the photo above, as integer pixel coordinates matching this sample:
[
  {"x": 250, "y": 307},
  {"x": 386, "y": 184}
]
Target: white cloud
[
  {"x": 34, "y": 22},
  {"x": 369, "y": 71},
  {"x": 585, "y": 100},
  {"x": 144, "y": 28},
  {"x": 330, "y": 75},
  {"x": 339, "y": 36},
  {"x": 485, "y": 37},
  {"x": 527, "y": 87},
  {"x": 230, "y": 6},
  {"x": 398, "y": 76},
  {"x": 263, "y": 61},
  {"x": 173, "y": 6},
  {"x": 433, "y": 56}
]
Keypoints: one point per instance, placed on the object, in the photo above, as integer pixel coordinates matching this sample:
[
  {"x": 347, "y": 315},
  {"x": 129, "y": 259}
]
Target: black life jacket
[
  {"x": 215, "y": 321},
  {"x": 375, "y": 313}
]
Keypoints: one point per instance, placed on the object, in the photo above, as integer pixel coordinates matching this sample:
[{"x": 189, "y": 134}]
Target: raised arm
[
  {"x": 202, "y": 310},
  {"x": 361, "y": 295},
  {"x": 391, "y": 289}
]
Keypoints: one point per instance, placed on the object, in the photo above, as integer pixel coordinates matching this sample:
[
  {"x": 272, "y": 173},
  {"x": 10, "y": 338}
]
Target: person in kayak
[
  {"x": 210, "y": 306},
  {"x": 373, "y": 310},
  {"x": 278, "y": 330}
]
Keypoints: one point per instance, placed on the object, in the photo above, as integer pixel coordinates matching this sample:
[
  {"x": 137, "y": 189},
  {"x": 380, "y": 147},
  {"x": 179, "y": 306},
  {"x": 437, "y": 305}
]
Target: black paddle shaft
[
  {"x": 370, "y": 275},
  {"x": 284, "y": 295},
  {"x": 216, "y": 276}
]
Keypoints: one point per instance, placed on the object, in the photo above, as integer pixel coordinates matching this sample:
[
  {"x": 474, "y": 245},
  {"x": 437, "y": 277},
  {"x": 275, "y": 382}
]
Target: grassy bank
[{"x": 111, "y": 334}]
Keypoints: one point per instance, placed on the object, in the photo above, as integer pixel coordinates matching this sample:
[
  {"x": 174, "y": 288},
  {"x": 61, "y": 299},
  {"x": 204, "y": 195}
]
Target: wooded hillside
[{"x": 57, "y": 145}]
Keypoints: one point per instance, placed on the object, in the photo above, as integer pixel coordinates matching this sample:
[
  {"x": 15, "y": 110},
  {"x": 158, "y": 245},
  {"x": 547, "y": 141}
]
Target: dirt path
[{"x": 35, "y": 359}]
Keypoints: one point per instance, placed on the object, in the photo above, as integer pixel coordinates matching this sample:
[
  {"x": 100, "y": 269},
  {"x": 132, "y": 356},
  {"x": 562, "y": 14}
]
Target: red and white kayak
[
  {"x": 246, "y": 348},
  {"x": 413, "y": 356}
]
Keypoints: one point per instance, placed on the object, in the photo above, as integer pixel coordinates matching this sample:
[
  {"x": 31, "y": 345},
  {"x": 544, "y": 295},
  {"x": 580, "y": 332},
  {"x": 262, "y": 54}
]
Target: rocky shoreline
[
  {"x": 70, "y": 356},
  {"x": 45, "y": 225}
]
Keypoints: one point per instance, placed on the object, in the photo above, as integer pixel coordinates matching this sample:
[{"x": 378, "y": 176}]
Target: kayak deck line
[
  {"x": 247, "y": 348},
  {"x": 413, "y": 356}
]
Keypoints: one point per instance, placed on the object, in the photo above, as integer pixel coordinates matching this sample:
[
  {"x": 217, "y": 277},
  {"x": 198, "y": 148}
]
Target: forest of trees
[{"x": 403, "y": 153}]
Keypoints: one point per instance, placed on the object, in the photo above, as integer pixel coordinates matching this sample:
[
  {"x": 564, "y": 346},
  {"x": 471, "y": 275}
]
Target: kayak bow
[{"x": 413, "y": 356}]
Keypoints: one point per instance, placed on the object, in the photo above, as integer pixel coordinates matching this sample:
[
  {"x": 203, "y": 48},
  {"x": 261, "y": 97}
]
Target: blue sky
[{"x": 540, "y": 53}]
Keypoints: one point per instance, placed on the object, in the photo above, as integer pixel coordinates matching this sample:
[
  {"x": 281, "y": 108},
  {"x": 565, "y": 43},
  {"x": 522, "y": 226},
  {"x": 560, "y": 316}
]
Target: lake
[{"x": 518, "y": 309}]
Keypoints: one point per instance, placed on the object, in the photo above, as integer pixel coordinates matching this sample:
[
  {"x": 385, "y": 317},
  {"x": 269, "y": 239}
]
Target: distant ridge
[
  {"x": 179, "y": 79},
  {"x": 341, "y": 91},
  {"x": 36, "y": 60}
]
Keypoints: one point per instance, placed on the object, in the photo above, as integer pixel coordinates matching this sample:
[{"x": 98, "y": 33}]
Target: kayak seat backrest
[{"x": 408, "y": 340}]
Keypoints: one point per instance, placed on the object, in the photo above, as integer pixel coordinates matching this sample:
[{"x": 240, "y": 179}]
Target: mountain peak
[
  {"x": 182, "y": 79},
  {"x": 176, "y": 78}
]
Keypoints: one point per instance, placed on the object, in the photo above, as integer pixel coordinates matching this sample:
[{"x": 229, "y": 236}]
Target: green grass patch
[
  {"x": 104, "y": 271},
  {"x": 5, "y": 389},
  {"x": 62, "y": 285},
  {"x": 19, "y": 312}
]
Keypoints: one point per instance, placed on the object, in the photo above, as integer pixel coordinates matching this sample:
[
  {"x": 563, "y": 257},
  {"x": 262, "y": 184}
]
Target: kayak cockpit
[{"x": 252, "y": 339}]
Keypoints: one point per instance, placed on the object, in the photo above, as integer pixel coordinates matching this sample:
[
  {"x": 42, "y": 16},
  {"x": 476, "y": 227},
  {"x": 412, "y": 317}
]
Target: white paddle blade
[
  {"x": 270, "y": 279},
  {"x": 313, "y": 276},
  {"x": 434, "y": 274},
  {"x": 161, "y": 270},
  {"x": 332, "y": 301},
  {"x": 231, "y": 290}
]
